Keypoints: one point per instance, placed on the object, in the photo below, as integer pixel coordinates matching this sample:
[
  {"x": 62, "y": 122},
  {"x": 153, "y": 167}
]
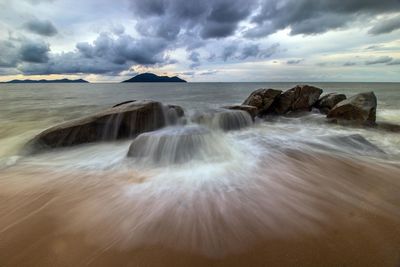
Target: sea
[{"x": 278, "y": 178}]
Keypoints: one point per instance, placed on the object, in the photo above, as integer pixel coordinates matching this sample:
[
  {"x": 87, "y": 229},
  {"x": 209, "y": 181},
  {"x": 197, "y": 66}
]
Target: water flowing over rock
[
  {"x": 252, "y": 110},
  {"x": 360, "y": 108},
  {"x": 177, "y": 144},
  {"x": 122, "y": 121},
  {"x": 328, "y": 101},
  {"x": 299, "y": 98},
  {"x": 224, "y": 119},
  {"x": 262, "y": 99}
]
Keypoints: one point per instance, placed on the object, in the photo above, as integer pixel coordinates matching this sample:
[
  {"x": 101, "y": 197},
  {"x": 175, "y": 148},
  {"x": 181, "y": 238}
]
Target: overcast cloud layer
[{"x": 208, "y": 40}]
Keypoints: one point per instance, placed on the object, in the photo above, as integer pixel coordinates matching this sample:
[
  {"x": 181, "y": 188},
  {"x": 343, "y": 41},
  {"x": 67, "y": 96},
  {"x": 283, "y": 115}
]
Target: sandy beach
[{"x": 344, "y": 213}]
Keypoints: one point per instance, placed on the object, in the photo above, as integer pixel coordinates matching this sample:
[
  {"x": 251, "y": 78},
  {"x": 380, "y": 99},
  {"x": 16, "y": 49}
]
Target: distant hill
[
  {"x": 48, "y": 81},
  {"x": 152, "y": 78}
]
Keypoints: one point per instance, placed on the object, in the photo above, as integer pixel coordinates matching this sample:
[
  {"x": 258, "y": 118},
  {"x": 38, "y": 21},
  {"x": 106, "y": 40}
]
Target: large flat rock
[{"x": 122, "y": 121}]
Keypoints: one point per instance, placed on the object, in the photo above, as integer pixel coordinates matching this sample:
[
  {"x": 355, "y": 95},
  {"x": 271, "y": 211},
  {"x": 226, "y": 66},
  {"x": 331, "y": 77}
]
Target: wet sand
[{"x": 331, "y": 212}]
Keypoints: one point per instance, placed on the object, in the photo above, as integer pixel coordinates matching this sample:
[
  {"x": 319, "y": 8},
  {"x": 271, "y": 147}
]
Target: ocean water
[
  {"x": 196, "y": 187},
  {"x": 27, "y": 109}
]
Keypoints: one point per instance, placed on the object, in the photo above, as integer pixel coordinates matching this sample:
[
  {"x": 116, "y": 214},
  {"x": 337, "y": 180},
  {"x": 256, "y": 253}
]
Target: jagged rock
[
  {"x": 262, "y": 99},
  {"x": 123, "y": 121},
  {"x": 360, "y": 108},
  {"x": 249, "y": 109},
  {"x": 328, "y": 101},
  {"x": 299, "y": 98}
]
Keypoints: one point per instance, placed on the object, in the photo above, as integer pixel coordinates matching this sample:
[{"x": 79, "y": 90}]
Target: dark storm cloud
[
  {"x": 208, "y": 18},
  {"x": 379, "y": 60},
  {"x": 386, "y": 26},
  {"x": 41, "y": 27},
  {"x": 73, "y": 63},
  {"x": 9, "y": 54},
  {"x": 105, "y": 55},
  {"x": 125, "y": 48},
  {"x": 34, "y": 52},
  {"x": 313, "y": 17},
  {"x": 17, "y": 50}
]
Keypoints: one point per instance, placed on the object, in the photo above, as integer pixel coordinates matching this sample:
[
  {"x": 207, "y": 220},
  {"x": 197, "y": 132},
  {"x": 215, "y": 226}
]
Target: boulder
[
  {"x": 360, "y": 108},
  {"x": 328, "y": 101},
  {"x": 223, "y": 119},
  {"x": 299, "y": 98},
  {"x": 252, "y": 110},
  {"x": 172, "y": 145},
  {"x": 123, "y": 121},
  {"x": 262, "y": 99},
  {"x": 123, "y": 103}
]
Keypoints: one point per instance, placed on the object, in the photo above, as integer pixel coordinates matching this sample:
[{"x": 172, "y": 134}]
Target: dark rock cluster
[{"x": 358, "y": 109}]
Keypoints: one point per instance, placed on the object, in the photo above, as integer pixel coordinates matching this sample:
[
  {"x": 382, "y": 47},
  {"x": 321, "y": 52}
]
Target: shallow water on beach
[{"x": 286, "y": 179}]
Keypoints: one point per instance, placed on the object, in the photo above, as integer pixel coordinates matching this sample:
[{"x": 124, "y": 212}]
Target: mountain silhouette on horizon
[{"x": 153, "y": 78}]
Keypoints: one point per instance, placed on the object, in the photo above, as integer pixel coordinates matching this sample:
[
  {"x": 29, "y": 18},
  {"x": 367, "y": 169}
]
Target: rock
[
  {"x": 388, "y": 127},
  {"x": 360, "y": 108},
  {"x": 223, "y": 119},
  {"x": 179, "y": 110},
  {"x": 123, "y": 103},
  {"x": 172, "y": 145},
  {"x": 123, "y": 121},
  {"x": 328, "y": 101},
  {"x": 262, "y": 99},
  {"x": 299, "y": 98},
  {"x": 252, "y": 110}
]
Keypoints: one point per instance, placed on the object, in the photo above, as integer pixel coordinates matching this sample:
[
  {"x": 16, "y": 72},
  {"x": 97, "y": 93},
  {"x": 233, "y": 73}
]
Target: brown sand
[{"x": 35, "y": 213}]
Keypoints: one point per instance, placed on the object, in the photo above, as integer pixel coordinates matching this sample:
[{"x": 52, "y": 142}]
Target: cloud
[
  {"x": 252, "y": 50},
  {"x": 314, "y": 17},
  {"x": 394, "y": 62},
  {"x": 349, "y": 64},
  {"x": 124, "y": 48},
  {"x": 195, "y": 58},
  {"x": 207, "y": 19},
  {"x": 229, "y": 52},
  {"x": 9, "y": 54},
  {"x": 15, "y": 51},
  {"x": 294, "y": 61},
  {"x": 208, "y": 72},
  {"x": 41, "y": 27},
  {"x": 106, "y": 55},
  {"x": 35, "y": 52},
  {"x": 386, "y": 26},
  {"x": 36, "y": 2},
  {"x": 243, "y": 52},
  {"x": 379, "y": 60}
]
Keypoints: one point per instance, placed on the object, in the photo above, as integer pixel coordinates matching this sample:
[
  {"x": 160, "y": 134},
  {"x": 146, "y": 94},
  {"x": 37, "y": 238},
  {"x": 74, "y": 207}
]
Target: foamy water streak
[
  {"x": 223, "y": 119},
  {"x": 179, "y": 144},
  {"x": 212, "y": 209}
]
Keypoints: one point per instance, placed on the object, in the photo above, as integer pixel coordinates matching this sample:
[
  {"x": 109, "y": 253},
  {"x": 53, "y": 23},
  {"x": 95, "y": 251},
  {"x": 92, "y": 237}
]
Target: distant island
[
  {"x": 152, "y": 78},
  {"x": 48, "y": 81}
]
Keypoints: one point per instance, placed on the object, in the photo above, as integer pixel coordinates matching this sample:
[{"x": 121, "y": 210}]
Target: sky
[{"x": 201, "y": 40}]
